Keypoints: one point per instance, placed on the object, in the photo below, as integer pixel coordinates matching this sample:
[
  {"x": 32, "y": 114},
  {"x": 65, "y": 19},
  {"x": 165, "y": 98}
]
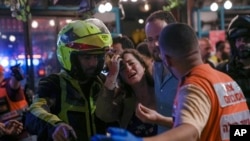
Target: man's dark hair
[
  {"x": 220, "y": 45},
  {"x": 143, "y": 49},
  {"x": 125, "y": 41},
  {"x": 162, "y": 15},
  {"x": 178, "y": 39}
]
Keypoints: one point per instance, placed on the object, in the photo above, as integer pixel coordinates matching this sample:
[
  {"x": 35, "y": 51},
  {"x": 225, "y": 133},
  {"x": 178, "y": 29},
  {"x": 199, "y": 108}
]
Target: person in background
[
  {"x": 165, "y": 83},
  {"x": 136, "y": 85},
  {"x": 122, "y": 42},
  {"x": 147, "y": 56},
  {"x": 206, "y": 50},
  {"x": 12, "y": 103},
  {"x": 222, "y": 52},
  {"x": 138, "y": 35},
  {"x": 119, "y": 44},
  {"x": 238, "y": 65},
  {"x": 64, "y": 108},
  {"x": 202, "y": 108}
]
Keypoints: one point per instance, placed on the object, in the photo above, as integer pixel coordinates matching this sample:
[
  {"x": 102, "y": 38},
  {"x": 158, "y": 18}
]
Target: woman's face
[{"x": 131, "y": 70}]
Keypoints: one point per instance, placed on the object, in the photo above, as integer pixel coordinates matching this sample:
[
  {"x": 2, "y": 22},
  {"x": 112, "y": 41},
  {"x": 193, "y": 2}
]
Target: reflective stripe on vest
[
  {"x": 88, "y": 108},
  {"x": 228, "y": 104}
]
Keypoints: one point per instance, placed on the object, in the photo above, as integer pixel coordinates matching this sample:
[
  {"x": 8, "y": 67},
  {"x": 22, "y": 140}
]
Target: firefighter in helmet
[{"x": 64, "y": 108}]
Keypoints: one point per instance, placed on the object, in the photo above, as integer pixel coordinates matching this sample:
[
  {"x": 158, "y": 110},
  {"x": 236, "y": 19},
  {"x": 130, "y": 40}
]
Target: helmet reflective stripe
[
  {"x": 81, "y": 46},
  {"x": 99, "y": 40},
  {"x": 85, "y": 109}
]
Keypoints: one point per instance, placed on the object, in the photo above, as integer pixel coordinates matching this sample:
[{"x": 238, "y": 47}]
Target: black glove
[{"x": 16, "y": 72}]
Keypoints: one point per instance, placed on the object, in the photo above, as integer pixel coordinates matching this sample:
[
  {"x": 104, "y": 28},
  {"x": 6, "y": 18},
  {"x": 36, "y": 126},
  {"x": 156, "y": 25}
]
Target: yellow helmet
[{"x": 89, "y": 36}]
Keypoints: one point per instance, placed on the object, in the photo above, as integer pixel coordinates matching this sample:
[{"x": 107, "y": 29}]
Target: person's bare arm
[
  {"x": 16, "y": 77},
  {"x": 165, "y": 121},
  {"x": 192, "y": 113},
  {"x": 14, "y": 84},
  {"x": 184, "y": 132},
  {"x": 114, "y": 67}
]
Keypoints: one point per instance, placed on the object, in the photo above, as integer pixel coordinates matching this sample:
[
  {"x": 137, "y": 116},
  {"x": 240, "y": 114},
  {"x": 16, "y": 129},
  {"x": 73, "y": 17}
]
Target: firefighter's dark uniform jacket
[{"x": 60, "y": 98}]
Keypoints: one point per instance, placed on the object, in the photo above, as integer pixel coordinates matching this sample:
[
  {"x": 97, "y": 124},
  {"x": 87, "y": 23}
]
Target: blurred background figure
[
  {"x": 238, "y": 66},
  {"x": 119, "y": 44},
  {"x": 122, "y": 42},
  {"x": 146, "y": 54},
  {"x": 206, "y": 50},
  {"x": 138, "y": 35},
  {"x": 13, "y": 103},
  {"x": 222, "y": 52}
]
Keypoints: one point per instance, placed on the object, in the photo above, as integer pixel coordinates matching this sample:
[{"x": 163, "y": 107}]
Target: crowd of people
[
  {"x": 13, "y": 104},
  {"x": 202, "y": 109},
  {"x": 172, "y": 86}
]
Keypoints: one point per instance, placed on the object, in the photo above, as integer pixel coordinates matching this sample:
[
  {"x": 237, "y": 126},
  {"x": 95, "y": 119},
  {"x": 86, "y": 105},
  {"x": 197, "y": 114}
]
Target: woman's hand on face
[
  {"x": 114, "y": 64},
  {"x": 113, "y": 70}
]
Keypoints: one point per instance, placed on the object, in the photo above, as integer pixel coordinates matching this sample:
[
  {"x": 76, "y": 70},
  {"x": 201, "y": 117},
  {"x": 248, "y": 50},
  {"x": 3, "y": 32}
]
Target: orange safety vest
[
  {"x": 228, "y": 104},
  {"x": 13, "y": 105}
]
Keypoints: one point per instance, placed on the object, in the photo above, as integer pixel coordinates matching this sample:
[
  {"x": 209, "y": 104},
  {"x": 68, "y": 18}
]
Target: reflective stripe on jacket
[
  {"x": 228, "y": 104},
  {"x": 76, "y": 108}
]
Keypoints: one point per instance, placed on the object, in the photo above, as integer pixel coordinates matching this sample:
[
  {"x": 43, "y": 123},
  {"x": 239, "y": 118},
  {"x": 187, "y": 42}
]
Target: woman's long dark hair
[{"x": 123, "y": 86}]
